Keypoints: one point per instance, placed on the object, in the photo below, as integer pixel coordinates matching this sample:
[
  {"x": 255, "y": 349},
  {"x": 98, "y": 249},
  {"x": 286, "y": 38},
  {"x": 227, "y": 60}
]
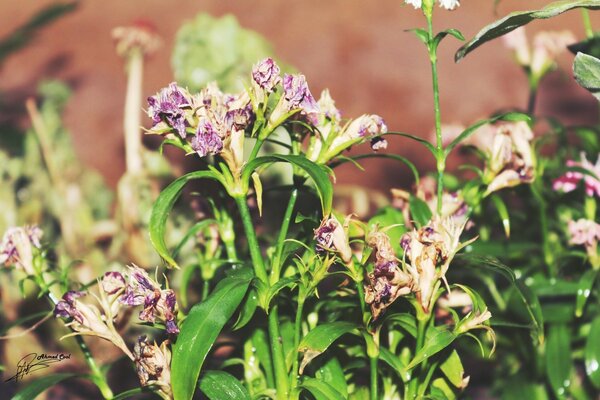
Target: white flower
[
  {"x": 449, "y": 4},
  {"x": 415, "y": 3}
]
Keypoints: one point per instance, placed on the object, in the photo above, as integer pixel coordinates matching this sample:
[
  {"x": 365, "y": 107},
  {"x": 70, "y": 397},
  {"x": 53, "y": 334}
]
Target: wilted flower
[
  {"x": 388, "y": 281},
  {"x": 510, "y": 158},
  {"x": 168, "y": 106},
  {"x": 140, "y": 35},
  {"x": 475, "y": 320},
  {"x": 447, "y": 4},
  {"x": 266, "y": 74},
  {"x": 569, "y": 181},
  {"x": 86, "y": 319},
  {"x": 331, "y": 236},
  {"x": 113, "y": 282},
  {"x": 365, "y": 127},
  {"x": 296, "y": 96},
  {"x": 546, "y": 47},
  {"x": 429, "y": 251},
  {"x": 207, "y": 140},
  {"x": 153, "y": 365},
  {"x": 17, "y": 247},
  {"x": 158, "y": 303}
]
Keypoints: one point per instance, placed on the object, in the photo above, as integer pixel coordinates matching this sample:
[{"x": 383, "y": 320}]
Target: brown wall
[{"x": 359, "y": 49}]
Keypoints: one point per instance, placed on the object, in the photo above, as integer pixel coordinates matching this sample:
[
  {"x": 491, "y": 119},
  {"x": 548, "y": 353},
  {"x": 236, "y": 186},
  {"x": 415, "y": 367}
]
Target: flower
[
  {"x": 510, "y": 158},
  {"x": 331, "y": 236},
  {"x": 207, "y": 140},
  {"x": 17, "y": 247},
  {"x": 546, "y": 47},
  {"x": 387, "y": 282},
  {"x": 113, "y": 282},
  {"x": 584, "y": 232},
  {"x": 266, "y": 74},
  {"x": 140, "y": 35},
  {"x": 168, "y": 106},
  {"x": 296, "y": 97},
  {"x": 447, "y": 4},
  {"x": 569, "y": 181},
  {"x": 153, "y": 365},
  {"x": 367, "y": 126},
  {"x": 87, "y": 319},
  {"x": 158, "y": 303}
]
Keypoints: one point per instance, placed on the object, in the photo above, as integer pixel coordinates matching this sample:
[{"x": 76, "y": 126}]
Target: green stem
[
  {"x": 422, "y": 322},
  {"x": 427, "y": 379},
  {"x": 440, "y": 155},
  {"x": 297, "y": 333},
  {"x": 281, "y": 377},
  {"x": 256, "y": 149},
  {"x": 374, "y": 387},
  {"x": 532, "y": 98},
  {"x": 546, "y": 247},
  {"x": 276, "y": 267},
  {"x": 257, "y": 259},
  {"x": 587, "y": 23}
]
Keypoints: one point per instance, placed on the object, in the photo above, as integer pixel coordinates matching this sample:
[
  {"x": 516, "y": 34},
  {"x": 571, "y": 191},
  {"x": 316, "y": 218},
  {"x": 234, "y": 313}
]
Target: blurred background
[{"x": 359, "y": 50}]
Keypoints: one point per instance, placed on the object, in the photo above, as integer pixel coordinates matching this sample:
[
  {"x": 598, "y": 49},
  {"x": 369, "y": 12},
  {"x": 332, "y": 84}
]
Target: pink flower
[
  {"x": 569, "y": 181},
  {"x": 584, "y": 232}
]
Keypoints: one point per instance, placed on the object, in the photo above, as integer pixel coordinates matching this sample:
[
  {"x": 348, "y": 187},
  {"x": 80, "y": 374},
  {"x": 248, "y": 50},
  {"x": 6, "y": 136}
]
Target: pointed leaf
[
  {"x": 163, "y": 206},
  {"x": 453, "y": 369},
  {"x": 199, "y": 332},
  {"x": 318, "y": 173},
  {"x": 332, "y": 373},
  {"x": 502, "y": 212},
  {"x": 584, "y": 290},
  {"x": 395, "y": 362},
  {"x": 39, "y": 385},
  {"x": 319, "y": 339},
  {"x": 435, "y": 343},
  {"x": 558, "y": 359},
  {"x": 419, "y": 211},
  {"x": 587, "y": 73},
  {"x": 519, "y": 18},
  {"x": 321, "y": 390},
  {"x": 592, "y": 353},
  {"x": 220, "y": 385}
]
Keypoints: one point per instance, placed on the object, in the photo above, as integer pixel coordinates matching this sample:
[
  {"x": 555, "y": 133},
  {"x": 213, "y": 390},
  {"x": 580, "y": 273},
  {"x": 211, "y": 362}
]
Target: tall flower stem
[
  {"x": 440, "y": 156},
  {"x": 372, "y": 343},
  {"x": 276, "y": 267},
  {"x": 281, "y": 378},
  {"x": 374, "y": 387},
  {"x": 133, "y": 105},
  {"x": 297, "y": 333}
]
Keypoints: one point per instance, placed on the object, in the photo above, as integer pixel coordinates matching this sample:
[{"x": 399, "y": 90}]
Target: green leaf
[
  {"x": 320, "y": 389},
  {"x": 332, "y": 373},
  {"x": 558, "y": 359},
  {"x": 197, "y": 227},
  {"x": 419, "y": 211},
  {"x": 406, "y": 321},
  {"x": 319, "y": 339},
  {"x": 133, "y": 392},
  {"x": 502, "y": 212},
  {"x": 528, "y": 298},
  {"x": 584, "y": 290},
  {"x": 199, "y": 332},
  {"x": 418, "y": 139},
  {"x": 39, "y": 385},
  {"x": 395, "y": 362},
  {"x": 248, "y": 309},
  {"x": 519, "y": 18},
  {"x": 339, "y": 161},
  {"x": 587, "y": 73},
  {"x": 422, "y": 34},
  {"x": 453, "y": 369},
  {"x": 220, "y": 385},
  {"x": 318, "y": 173},
  {"x": 441, "y": 35},
  {"x": 163, "y": 206},
  {"x": 592, "y": 353},
  {"x": 435, "y": 343},
  {"x": 278, "y": 286}
]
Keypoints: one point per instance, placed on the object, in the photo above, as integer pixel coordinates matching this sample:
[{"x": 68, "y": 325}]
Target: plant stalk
[
  {"x": 133, "y": 105},
  {"x": 374, "y": 387},
  {"x": 440, "y": 155},
  {"x": 297, "y": 333},
  {"x": 276, "y": 267}
]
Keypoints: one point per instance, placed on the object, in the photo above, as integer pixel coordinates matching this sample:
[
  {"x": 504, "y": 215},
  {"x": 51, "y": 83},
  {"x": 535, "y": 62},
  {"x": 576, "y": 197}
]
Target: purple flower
[
  {"x": 266, "y": 74},
  {"x": 296, "y": 92},
  {"x": 113, "y": 282},
  {"x": 569, "y": 181},
  {"x": 17, "y": 247},
  {"x": 239, "y": 118},
  {"x": 331, "y": 236},
  {"x": 207, "y": 140},
  {"x": 168, "y": 105},
  {"x": 66, "y": 308}
]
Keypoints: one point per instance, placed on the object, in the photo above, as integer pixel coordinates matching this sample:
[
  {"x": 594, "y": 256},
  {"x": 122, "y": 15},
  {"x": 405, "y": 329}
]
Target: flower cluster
[
  {"x": 509, "y": 155},
  {"x": 546, "y": 47},
  {"x": 153, "y": 365},
  {"x": 140, "y": 289},
  {"x": 18, "y": 246},
  {"x": 569, "y": 181}
]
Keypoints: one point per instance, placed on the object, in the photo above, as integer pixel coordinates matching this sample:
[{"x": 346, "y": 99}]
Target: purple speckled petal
[
  {"x": 112, "y": 282},
  {"x": 266, "y": 74},
  {"x": 207, "y": 140},
  {"x": 297, "y": 93}
]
